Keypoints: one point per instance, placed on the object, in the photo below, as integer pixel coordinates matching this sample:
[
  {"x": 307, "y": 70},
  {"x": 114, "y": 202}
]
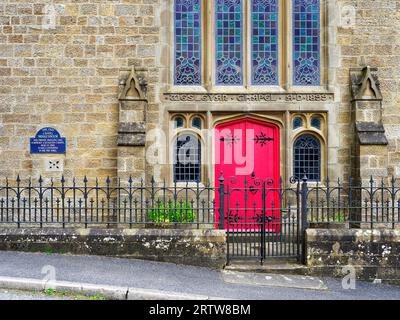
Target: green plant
[
  {"x": 50, "y": 292},
  {"x": 171, "y": 212},
  {"x": 64, "y": 294},
  {"x": 334, "y": 217},
  {"x": 51, "y": 251},
  {"x": 97, "y": 297}
]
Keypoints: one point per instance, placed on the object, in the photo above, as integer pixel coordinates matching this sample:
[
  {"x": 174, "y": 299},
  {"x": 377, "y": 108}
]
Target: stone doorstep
[
  {"x": 274, "y": 280},
  {"x": 286, "y": 266}
]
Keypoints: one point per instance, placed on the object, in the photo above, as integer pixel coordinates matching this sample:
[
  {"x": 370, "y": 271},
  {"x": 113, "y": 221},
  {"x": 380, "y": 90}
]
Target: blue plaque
[{"x": 48, "y": 140}]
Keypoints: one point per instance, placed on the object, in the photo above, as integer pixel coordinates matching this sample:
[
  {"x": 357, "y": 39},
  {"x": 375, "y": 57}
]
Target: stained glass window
[
  {"x": 187, "y": 42},
  {"x": 307, "y": 157},
  {"x": 297, "y": 123},
  {"x": 229, "y": 55},
  {"x": 187, "y": 163},
  {"x": 264, "y": 42},
  {"x": 306, "y": 51}
]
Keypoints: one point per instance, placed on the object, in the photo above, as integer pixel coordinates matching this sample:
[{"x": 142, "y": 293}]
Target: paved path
[{"x": 184, "y": 279}]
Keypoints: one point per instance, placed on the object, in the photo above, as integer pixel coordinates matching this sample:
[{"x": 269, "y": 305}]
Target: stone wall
[
  {"x": 60, "y": 63},
  {"x": 193, "y": 247},
  {"x": 375, "y": 254},
  {"x": 371, "y": 38}
]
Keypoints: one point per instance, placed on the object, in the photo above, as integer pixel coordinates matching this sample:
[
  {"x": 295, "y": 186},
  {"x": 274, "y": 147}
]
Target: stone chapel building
[{"x": 132, "y": 83}]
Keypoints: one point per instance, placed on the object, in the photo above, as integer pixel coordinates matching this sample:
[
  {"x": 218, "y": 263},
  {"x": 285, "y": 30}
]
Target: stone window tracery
[{"x": 246, "y": 43}]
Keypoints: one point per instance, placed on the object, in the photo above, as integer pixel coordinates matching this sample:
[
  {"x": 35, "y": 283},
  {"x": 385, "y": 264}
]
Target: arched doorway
[{"x": 248, "y": 156}]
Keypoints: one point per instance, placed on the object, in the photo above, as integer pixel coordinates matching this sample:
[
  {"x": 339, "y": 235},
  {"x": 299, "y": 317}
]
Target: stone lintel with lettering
[{"x": 249, "y": 97}]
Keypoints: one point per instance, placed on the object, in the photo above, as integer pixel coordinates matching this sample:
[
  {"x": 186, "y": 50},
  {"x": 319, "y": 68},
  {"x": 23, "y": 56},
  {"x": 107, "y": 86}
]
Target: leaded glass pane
[
  {"x": 229, "y": 26},
  {"x": 306, "y": 51},
  {"x": 264, "y": 42},
  {"x": 187, "y": 42},
  {"x": 187, "y": 158},
  {"x": 307, "y": 158}
]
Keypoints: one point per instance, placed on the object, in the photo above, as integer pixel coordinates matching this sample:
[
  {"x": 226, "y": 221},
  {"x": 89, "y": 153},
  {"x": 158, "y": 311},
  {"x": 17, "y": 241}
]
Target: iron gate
[{"x": 263, "y": 219}]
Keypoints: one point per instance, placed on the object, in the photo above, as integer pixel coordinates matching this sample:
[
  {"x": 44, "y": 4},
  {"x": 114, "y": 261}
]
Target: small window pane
[
  {"x": 297, "y": 123},
  {"x": 178, "y": 122},
  {"x": 307, "y": 158},
  {"x": 316, "y": 123},
  {"x": 196, "y": 123},
  {"x": 187, "y": 159}
]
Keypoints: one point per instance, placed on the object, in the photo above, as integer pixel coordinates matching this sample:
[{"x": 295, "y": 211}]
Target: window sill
[{"x": 190, "y": 185}]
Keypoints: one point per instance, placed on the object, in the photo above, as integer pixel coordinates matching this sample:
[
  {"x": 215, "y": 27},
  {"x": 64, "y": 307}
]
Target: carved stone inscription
[{"x": 257, "y": 97}]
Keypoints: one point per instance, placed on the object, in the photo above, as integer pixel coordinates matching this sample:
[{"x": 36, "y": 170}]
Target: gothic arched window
[
  {"x": 307, "y": 157},
  {"x": 187, "y": 158}
]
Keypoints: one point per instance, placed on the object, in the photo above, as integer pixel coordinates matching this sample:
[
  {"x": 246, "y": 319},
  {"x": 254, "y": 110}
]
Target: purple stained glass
[
  {"x": 264, "y": 42},
  {"x": 229, "y": 51},
  {"x": 187, "y": 42},
  {"x": 306, "y": 42}
]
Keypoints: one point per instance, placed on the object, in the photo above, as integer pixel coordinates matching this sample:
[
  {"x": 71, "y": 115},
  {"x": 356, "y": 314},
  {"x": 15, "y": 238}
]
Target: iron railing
[
  {"x": 111, "y": 204},
  {"x": 367, "y": 204},
  {"x": 121, "y": 203}
]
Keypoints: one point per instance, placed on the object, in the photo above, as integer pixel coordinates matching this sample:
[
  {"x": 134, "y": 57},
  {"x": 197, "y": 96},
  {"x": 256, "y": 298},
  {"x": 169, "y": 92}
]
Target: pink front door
[{"x": 247, "y": 155}]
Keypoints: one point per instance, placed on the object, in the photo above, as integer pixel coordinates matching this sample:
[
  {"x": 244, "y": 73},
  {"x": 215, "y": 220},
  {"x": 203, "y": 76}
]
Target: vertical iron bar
[
  {"x": 263, "y": 217},
  {"x": 221, "y": 202},
  {"x": 304, "y": 196}
]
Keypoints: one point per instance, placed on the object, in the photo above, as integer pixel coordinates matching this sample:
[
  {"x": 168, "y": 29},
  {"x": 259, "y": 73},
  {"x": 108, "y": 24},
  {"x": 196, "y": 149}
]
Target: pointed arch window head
[
  {"x": 187, "y": 158},
  {"x": 307, "y": 157}
]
